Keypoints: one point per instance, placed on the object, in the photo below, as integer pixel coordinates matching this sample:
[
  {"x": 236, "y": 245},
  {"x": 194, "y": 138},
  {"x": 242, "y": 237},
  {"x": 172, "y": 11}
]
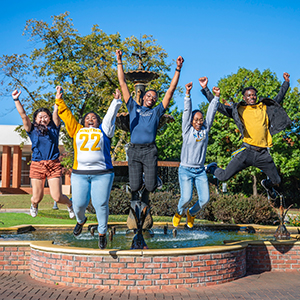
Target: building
[{"x": 15, "y": 157}]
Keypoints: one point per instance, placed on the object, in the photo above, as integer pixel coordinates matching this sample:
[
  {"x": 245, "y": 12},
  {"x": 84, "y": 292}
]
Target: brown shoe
[
  {"x": 132, "y": 222},
  {"x": 148, "y": 223}
]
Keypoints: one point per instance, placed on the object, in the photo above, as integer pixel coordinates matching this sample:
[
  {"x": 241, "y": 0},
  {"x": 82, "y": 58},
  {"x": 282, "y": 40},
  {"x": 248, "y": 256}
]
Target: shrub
[
  {"x": 225, "y": 208},
  {"x": 239, "y": 209}
]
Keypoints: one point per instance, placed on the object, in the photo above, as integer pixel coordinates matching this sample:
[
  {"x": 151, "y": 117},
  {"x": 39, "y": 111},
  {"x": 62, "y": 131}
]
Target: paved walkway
[{"x": 268, "y": 285}]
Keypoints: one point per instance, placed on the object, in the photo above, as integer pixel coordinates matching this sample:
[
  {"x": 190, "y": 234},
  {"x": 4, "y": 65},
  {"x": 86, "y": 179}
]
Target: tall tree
[{"x": 85, "y": 66}]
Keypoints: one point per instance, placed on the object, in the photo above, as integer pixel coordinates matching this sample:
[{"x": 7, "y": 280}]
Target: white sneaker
[
  {"x": 33, "y": 211},
  {"x": 71, "y": 212}
]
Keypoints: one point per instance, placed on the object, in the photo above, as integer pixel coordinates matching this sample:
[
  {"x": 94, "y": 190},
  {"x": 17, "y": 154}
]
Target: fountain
[
  {"x": 146, "y": 268},
  {"x": 140, "y": 78},
  {"x": 281, "y": 231}
]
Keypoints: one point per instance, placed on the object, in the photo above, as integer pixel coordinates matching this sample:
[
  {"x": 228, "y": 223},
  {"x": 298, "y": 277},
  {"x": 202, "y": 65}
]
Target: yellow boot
[
  {"x": 176, "y": 219},
  {"x": 190, "y": 219}
]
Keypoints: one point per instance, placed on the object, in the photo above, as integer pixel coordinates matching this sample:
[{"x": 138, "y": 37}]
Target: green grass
[
  {"x": 61, "y": 217},
  {"x": 23, "y": 201}
]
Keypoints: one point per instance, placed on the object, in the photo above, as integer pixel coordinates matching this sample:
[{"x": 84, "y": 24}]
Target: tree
[
  {"x": 85, "y": 66},
  {"x": 225, "y": 137}
]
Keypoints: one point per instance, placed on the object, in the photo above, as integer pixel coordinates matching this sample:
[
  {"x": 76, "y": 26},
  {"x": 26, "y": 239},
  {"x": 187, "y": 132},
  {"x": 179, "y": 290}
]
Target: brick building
[{"x": 15, "y": 161}]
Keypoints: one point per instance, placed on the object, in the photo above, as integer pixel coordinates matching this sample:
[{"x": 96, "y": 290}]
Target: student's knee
[
  {"x": 151, "y": 188},
  {"x": 221, "y": 175},
  {"x": 276, "y": 181}
]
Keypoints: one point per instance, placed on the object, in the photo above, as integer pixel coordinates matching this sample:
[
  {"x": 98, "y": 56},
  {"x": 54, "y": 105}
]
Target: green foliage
[
  {"x": 239, "y": 209},
  {"x": 294, "y": 221},
  {"x": 85, "y": 66},
  {"x": 169, "y": 139}
]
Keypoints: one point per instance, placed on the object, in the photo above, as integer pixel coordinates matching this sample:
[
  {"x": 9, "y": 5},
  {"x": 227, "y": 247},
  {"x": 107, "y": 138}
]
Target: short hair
[
  {"x": 196, "y": 111},
  {"x": 91, "y": 112},
  {"x": 152, "y": 90},
  {"x": 249, "y": 88}
]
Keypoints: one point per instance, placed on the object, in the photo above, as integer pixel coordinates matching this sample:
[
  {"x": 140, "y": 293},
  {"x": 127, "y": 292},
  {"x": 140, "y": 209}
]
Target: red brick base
[{"x": 143, "y": 269}]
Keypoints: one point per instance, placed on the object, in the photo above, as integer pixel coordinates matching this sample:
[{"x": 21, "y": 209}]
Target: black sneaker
[
  {"x": 211, "y": 168},
  {"x": 102, "y": 241},
  {"x": 78, "y": 228},
  {"x": 270, "y": 190},
  {"x": 159, "y": 183}
]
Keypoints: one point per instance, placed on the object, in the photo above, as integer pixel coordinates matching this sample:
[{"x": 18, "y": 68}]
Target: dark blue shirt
[
  {"x": 44, "y": 147},
  {"x": 143, "y": 122}
]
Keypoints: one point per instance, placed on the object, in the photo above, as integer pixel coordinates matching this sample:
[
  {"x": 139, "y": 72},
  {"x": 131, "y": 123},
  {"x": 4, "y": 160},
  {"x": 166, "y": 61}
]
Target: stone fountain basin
[{"x": 143, "y": 269}]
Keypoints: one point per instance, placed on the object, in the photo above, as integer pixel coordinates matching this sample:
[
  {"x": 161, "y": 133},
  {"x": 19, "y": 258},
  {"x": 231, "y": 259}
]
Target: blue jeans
[
  {"x": 188, "y": 177},
  {"x": 97, "y": 188}
]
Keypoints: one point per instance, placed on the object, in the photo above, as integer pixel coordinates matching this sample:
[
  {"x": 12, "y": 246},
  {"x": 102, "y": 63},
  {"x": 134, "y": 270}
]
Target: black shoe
[
  {"x": 211, "y": 168},
  {"x": 78, "y": 228},
  {"x": 270, "y": 190},
  {"x": 102, "y": 241}
]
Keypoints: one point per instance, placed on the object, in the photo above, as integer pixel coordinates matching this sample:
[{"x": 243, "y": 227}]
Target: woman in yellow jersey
[{"x": 92, "y": 174}]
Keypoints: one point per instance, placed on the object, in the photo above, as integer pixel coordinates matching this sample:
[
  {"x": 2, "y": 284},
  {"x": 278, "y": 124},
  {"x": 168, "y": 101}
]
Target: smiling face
[
  {"x": 250, "y": 97},
  {"x": 149, "y": 99},
  {"x": 42, "y": 118},
  {"x": 197, "y": 121},
  {"x": 91, "y": 121}
]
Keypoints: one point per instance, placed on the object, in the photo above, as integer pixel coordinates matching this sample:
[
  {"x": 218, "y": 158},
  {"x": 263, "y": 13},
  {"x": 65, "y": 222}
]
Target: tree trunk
[{"x": 254, "y": 185}]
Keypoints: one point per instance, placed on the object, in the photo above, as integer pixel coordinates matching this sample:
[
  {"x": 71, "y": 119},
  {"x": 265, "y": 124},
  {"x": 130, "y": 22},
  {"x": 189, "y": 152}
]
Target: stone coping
[
  {"x": 243, "y": 227},
  {"x": 227, "y": 246},
  {"x": 48, "y": 246}
]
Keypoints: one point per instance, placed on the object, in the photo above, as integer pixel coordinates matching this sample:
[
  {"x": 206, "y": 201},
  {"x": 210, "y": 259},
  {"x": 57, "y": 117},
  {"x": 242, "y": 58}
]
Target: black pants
[
  {"x": 250, "y": 157},
  {"x": 142, "y": 159}
]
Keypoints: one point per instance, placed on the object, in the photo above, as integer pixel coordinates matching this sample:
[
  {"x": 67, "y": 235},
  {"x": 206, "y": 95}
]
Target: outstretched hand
[
  {"x": 15, "y": 94},
  {"x": 119, "y": 55},
  {"x": 188, "y": 87},
  {"x": 203, "y": 82},
  {"x": 59, "y": 92},
  {"x": 286, "y": 76},
  {"x": 216, "y": 91},
  {"x": 179, "y": 62},
  {"x": 117, "y": 95}
]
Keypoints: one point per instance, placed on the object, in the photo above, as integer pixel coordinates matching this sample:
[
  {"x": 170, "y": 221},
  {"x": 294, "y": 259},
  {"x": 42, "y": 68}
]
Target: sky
[{"x": 214, "y": 37}]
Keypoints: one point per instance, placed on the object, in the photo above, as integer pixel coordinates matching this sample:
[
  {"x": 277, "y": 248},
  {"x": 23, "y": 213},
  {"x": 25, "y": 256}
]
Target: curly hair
[{"x": 99, "y": 120}]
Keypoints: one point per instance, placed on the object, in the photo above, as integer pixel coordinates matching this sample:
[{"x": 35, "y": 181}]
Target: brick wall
[
  {"x": 15, "y": 258},
  {"x": 137, "y": 272},
  {"x": 138, "y": 269},
  {"x": 269, "y": 256}
]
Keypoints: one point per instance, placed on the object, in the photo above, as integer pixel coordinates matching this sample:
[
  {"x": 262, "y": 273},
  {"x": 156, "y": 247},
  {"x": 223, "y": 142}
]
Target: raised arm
[
  {"x": 55, "y": 117},
  {"x": 226, "y": 110},
  {"x": 212, "y": 108},
  {"x": 121, "y": 77},
  {"x": 187, "y": 110},
  {"x": 21, "y": 111},
  {"x": 108, "y": 124},
  {"x": 174, "y": 82},
  {"x": 65, "y": 114},
  {"x": 285, "y": 86}
]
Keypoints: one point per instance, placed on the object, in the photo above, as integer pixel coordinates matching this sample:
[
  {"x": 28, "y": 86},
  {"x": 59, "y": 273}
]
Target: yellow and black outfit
[{"x": 257, "y": 123}]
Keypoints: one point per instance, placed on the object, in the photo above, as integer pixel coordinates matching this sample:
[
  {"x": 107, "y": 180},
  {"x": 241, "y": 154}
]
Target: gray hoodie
[{"x": 194, "y": 144}]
